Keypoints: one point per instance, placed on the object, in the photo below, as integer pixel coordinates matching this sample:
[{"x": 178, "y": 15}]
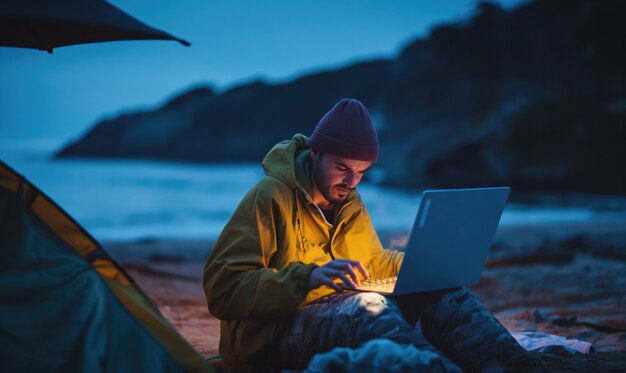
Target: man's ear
[{"x": 314, "y": 154}]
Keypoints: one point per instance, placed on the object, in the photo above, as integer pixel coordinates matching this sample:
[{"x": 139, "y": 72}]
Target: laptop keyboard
[{"x": 380, "y": 283}]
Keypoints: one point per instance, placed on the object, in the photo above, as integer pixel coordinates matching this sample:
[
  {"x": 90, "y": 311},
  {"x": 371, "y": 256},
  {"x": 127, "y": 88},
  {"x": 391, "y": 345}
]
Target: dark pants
[{"x": 454, "y": 324}]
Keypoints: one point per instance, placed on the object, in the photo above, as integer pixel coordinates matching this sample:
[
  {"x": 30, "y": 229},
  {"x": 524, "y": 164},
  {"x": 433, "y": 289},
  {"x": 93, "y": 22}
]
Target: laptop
[{"x": 449, "y": 242}]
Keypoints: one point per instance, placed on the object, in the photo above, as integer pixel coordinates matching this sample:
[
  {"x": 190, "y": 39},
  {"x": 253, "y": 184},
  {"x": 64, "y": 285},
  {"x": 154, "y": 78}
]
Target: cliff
[{"x": 534, "y": 97}]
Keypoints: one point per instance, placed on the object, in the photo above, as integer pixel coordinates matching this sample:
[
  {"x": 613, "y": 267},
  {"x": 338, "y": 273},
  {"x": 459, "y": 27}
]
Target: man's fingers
[
  {"x": 358, "y": 265},
  {"x": 328, "y": 281},
  {"x": 355, "y": 278},
  {"x": 362, "y": 269},
  {"x": 340, "y": 273},
  {"x": 343, "y": 269},
  {"x": 331, "y": 274},
  {"x": 348, "y": 266},
  {"x": 346, "y": 280}
]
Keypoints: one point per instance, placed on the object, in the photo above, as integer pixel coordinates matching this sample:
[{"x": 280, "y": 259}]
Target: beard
[
  {"x": 335, "y": 198},
  {"x": 330, "y": 193}
]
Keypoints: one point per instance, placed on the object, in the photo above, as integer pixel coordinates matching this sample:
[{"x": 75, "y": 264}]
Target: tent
[{"x": 65, "y": 305}]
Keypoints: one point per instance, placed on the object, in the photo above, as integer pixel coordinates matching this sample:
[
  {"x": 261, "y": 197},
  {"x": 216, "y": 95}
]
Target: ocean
[{"x": 131, "y": 200}]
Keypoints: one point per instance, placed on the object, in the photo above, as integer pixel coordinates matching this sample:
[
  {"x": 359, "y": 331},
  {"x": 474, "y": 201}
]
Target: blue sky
[{"x": 53, "y": 98}]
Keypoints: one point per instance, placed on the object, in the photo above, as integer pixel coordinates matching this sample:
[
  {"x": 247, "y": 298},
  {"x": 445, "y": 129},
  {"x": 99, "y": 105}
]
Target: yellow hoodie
[{"x": 258, "y": 272}]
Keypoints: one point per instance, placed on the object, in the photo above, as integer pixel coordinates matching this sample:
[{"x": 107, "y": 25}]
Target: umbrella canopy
[{"x": 48, "y": 24}]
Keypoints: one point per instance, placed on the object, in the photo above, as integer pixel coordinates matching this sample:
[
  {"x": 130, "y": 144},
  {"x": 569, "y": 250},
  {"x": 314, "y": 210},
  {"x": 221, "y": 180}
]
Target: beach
[
  {"x": 557, "y": 263},
  {"x": 563, "y": 279}
]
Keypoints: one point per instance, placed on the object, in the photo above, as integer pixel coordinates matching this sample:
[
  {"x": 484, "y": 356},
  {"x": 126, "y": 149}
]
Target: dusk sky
[{"x": 51, "y": 99}]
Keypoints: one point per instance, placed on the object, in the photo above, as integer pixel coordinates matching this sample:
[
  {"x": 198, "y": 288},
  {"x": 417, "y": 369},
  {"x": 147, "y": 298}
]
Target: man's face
[{"x": 336, "y": 176}]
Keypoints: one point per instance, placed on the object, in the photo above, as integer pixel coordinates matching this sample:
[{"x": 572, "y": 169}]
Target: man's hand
[{"x": 338, "y": 268}]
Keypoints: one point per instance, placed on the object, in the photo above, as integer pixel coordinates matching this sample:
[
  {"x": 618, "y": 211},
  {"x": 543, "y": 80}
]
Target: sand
[{"x": 565, "y": 280}]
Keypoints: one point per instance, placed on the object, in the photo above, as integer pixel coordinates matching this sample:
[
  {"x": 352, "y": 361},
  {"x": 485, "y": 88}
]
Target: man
[{"x": 280, "y": 274}]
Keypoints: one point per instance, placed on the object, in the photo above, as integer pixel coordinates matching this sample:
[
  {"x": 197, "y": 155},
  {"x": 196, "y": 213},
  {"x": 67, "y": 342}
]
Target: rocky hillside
[{"x": 534, "y": 97}]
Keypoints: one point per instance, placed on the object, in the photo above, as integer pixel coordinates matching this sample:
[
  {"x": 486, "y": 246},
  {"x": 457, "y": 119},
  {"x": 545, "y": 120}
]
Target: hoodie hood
[
  {"x": 289, "y": 161},
  {"x": 280, "y": 161}
]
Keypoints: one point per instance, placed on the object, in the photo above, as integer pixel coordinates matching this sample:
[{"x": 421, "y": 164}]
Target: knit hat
[{"x": 346, "y": 131}]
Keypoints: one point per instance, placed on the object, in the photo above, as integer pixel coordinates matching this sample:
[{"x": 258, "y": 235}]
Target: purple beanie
[{"x": 346, "y": 131}]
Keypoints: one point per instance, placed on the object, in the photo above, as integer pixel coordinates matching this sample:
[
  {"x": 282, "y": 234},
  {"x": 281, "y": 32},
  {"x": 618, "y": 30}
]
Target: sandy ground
[{"x": 564, "y": 280}]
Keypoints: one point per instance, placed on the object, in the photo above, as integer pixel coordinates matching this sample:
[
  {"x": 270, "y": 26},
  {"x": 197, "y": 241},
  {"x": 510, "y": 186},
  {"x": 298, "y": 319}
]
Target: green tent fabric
[{"x": 65, "y": 305}]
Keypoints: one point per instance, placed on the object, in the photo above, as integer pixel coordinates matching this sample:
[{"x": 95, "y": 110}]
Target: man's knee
[
  {"x": 365, "y": 305},
  {"x": 448, "y": 300}
]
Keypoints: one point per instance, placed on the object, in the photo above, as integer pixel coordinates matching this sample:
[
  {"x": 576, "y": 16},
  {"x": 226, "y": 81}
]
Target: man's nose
[{"x": 351, "y": 180}]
